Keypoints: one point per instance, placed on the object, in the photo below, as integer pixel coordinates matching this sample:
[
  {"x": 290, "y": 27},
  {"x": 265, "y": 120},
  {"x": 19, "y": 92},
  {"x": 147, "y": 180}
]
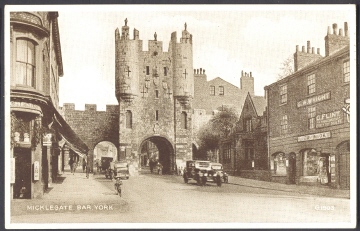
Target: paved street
[{"x": 163, "y": 198}]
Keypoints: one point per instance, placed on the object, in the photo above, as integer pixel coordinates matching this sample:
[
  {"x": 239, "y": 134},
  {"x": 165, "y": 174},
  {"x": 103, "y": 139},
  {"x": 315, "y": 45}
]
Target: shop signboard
[
  {"x": 317, "y": 136},
  {"x": 313, "y": 99},
  {"x": 329, "y": 119}
]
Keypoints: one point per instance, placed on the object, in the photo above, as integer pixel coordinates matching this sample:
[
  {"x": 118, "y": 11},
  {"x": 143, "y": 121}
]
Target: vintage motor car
[
  {"x": 201, "y": 172},
  {"x": 121, "y": 170},
  {"x": 217, "y": 169}
]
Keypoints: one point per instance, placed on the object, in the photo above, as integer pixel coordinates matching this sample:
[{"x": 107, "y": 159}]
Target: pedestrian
[
  {"x": 74, "y": 167},
  {"x": 84, "y": 165},
  {"x": 87, "y": 170},
  {"x": 71, "y": 165}
]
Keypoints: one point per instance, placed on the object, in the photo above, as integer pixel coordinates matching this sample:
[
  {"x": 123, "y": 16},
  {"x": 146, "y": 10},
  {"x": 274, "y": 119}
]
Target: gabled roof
[
  {"x": 220, "y": 79},
  {"x": 258, "y": 103}
]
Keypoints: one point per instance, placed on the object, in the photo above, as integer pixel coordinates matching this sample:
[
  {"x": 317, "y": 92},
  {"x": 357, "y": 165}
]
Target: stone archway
[{"x": 165, "y": 152}]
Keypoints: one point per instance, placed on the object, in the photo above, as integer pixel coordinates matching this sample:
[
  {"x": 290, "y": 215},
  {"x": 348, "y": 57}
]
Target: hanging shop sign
[
  {"x": 36, "y": 170},
  {"x": 313, "y": 100},
  {"x": 329, "y": 119},
  {"x": 47, "y": 141},
  {"x": 317, "y": 136}
]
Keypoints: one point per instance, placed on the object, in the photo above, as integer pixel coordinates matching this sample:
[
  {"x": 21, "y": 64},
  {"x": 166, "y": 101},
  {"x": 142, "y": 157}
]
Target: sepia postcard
[{"x": 180, "y": 116}]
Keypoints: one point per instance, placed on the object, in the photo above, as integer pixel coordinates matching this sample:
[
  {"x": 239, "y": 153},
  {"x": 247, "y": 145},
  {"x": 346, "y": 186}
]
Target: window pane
[
  {"x": 20, "y": 73},
  {"x": 29, "y": 75},
  {"x": 30, "y": 53},
  {"x": 21, "y": 50}
]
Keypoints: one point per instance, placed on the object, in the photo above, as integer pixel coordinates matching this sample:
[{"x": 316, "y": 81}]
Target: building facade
[
  {"x": 245, "y": 153},
  {"x": 41, "y": 140},
  {"x": 308, "y": 116}
]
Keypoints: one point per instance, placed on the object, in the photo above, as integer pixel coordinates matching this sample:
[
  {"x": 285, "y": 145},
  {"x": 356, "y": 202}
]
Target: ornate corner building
[{"x": 41, "y": 140}]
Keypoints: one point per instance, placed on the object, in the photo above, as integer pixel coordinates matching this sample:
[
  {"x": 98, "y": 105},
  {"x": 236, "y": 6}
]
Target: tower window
[
  {"x": 212, "y": 90},
  {"x": 165, "y": 71},
  {"x": 221, "y": 90},
  {"x": 346, "y": 71},
  {"x": 311, "y": 84},
  {"x": 157, "y": 115},
  {"x": 128, "y": 119},
  {"x": 183, "y": 120},
  {"x": 156, "y": 93},
  {"x": 147, "y": 70},
  {"x": 25, "y": 62}
]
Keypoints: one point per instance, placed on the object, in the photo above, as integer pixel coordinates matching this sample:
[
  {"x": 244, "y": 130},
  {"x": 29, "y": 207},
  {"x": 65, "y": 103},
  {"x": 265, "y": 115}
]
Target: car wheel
[
  {"x": 218, "y": 181},
  {"x": 204, "y": 180},
  {"x": 186, "y": 180},
  {"x": 199, "y": 181}
]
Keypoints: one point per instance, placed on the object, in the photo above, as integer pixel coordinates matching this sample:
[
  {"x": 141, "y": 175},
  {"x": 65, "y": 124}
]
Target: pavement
[{"x": 308, "y": 190}]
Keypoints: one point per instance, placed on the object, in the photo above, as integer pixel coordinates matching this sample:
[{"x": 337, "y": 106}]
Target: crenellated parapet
[{"x": 70, "y": 107}]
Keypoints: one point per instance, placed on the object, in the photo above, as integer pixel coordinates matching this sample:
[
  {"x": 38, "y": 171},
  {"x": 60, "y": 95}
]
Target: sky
[{"x": 226, "y": 40}]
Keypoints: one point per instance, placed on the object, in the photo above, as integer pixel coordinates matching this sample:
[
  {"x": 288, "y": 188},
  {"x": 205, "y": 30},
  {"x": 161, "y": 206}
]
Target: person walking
[
  {"x": 87, "y": 170},
  {"x": 74, "y": 167},
  {"x": 84, "y": 165},
  {"x": 71, "y": 164}
]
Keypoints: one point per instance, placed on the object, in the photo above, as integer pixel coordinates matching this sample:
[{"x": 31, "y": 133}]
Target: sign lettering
[
  {"x": 313, "y": 100},
  {"x": 317, "y": 136},
  {"x": 329, "y": 119}
]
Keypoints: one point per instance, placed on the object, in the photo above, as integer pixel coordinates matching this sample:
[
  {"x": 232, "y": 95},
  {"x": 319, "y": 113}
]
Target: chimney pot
[
  {"x": 250, "y": 74},
  {"x": 242, "y": 73},
  {"x": 335, "y": 29},
  {"x": 308, "y": 47},
  {"x": 194, "y": 71},
  {"x": 318, "y": 51},
  {"x": 328, "y": 30},
  {"x": 200, "y": 70},
  {"x": 303, "y": 49},
  {"x": 313, "y": 50},
  {"x": 346, "y": 29},
  {"x": 204, "y": 71},
  {"x": 340, "y": 32},
  {"x": 297, "y": 48},
  {"x": 197, "y": 71}
]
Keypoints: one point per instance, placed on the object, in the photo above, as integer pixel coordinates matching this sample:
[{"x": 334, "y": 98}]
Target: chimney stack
[
  {"x": 335, "y": 29},
  {"x": 346, "y": 29},
  {"x": 308, "y": 47}
]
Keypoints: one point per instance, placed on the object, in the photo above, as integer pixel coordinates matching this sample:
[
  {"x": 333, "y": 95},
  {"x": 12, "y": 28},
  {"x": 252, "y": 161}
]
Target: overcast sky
[{"x": 226, "y": 40}]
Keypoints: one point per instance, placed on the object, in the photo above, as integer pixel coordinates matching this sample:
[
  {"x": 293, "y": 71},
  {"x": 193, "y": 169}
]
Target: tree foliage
[
  {"x": 287, "y": 67},
  {"x": 220, "y": 126}
]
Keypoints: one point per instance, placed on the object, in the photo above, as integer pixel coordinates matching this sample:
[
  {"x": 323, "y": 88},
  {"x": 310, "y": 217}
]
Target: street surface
[{"x": 152, "y": 198}]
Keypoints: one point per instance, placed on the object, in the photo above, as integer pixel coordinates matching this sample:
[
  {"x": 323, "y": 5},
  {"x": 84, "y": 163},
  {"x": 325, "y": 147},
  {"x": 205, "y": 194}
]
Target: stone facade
[
  {"x": 309, "y": 129},
  {"x": 40, "y": 138}
]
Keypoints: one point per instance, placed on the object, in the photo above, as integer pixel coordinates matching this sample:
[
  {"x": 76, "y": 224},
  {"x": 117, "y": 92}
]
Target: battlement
[{"x": 89, "y": 107}]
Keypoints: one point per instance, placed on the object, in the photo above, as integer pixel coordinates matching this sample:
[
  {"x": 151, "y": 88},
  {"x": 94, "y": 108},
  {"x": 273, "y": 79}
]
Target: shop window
[
  {"x": 284, "y": 124},
  {"x": 128, "y": 119},
  {"x": 183, "y": 120},
  {"x": 278, "y": 163},
  {"x": 25, "y": 62},
  {"x": 310, "y": 163},
  {"x": 346, "y": 71},
  {"x": 311, "y": 117},
  {"x": 212, "y": 90},
  {"x": 311, "y": 84},
  {"x": 221, "y": 90},
  {"x": 283, "y": 94}
]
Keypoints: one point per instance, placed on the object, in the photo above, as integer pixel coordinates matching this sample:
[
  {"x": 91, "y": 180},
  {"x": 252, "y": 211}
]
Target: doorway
[{"x": 22, "y": 185}]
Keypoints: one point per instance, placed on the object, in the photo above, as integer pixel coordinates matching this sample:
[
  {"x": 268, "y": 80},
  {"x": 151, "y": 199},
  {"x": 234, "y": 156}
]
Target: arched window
[
  {"x": 25, "y": 62},
  {"x": 128, "y": 119},
  {"x": 183, "y": 120}
]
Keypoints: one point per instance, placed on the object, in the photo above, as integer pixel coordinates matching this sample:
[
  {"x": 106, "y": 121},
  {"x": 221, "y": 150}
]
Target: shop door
[
  {"x": 344, "y": 170},
  {"x": 22, "y": 185},
  {"x": 292, "y": 168}
]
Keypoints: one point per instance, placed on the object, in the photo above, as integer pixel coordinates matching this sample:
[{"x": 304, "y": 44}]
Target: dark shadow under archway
[{"x": 165, "y": 155}]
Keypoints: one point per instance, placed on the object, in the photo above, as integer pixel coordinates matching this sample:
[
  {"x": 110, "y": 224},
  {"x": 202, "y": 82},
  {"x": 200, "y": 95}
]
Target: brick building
[
  {"x": 308, "y": 116},
  {"x": 245, "y": 152},
  {"x": 41, "y": 140}
]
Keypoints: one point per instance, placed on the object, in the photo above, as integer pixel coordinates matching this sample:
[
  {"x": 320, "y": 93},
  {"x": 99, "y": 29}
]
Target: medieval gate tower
[{"x": 155, "y": 91}]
